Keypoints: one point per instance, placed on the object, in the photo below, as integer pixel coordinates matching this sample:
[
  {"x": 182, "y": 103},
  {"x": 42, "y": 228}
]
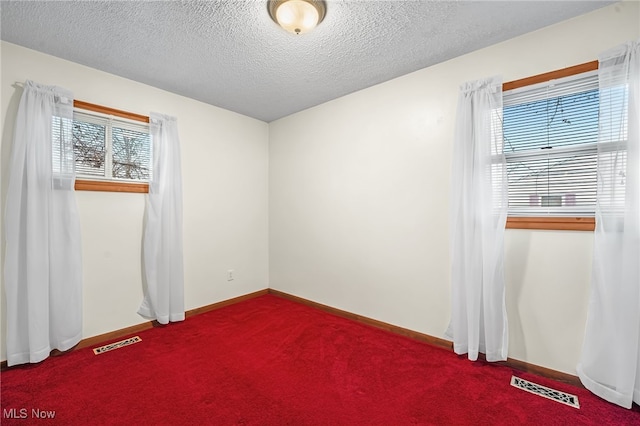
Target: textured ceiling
[{"x": 230, "y": 54}]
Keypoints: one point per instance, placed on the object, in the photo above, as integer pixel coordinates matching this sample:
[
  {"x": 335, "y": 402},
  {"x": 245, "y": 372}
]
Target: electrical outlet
[{"x": 230, "y": 274}]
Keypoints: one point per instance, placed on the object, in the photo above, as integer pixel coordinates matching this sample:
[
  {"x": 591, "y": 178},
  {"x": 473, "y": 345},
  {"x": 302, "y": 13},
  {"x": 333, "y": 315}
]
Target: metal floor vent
[
  {"x": 116, "y": 345},
  {"x": 545, "y": 392}
]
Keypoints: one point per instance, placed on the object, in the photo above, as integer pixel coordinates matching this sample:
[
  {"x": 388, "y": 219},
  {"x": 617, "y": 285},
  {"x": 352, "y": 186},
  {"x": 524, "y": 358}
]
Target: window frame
[
  {"x": 108, "y": 185},
  {"x": 561, "y": 223}
]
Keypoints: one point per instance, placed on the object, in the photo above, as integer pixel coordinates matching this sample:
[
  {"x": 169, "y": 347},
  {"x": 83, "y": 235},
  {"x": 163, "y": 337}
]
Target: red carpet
[{"x": 269, "y": 361}]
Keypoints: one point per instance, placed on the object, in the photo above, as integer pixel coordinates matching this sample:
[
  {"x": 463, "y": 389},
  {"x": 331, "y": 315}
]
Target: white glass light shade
[{"x": 297, "y": 16}]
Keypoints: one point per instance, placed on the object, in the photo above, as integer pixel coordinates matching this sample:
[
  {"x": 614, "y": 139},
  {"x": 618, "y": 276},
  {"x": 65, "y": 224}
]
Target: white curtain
[
  {"x": 478, "y": 217},
  {"x": 610, "y": 361},
  {"x": 43, "y": 265},
  {"x": 162, "y": 241}
]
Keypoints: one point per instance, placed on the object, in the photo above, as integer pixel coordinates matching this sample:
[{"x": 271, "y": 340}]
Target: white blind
[
  {"x": 61, "y": 157},
  {"x": 550, "y": 135}
]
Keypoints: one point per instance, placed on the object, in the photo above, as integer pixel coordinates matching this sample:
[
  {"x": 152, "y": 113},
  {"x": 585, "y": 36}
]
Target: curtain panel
[
  {"x": 478, "y": 216},
  {"x": 162, "y": 246},
  {"x": 610, "y": 361},
  {"x": 43, "y": 264}
]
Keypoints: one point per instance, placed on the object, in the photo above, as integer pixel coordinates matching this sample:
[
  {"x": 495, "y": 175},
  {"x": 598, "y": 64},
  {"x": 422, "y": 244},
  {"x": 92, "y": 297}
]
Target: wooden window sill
[
  {"x": 94, "y": 185},
  {"x": 552, "y": 223}
]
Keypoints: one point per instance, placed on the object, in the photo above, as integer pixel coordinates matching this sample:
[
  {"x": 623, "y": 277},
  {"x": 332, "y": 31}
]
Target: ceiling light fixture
[{"x": 297, "y": 16}]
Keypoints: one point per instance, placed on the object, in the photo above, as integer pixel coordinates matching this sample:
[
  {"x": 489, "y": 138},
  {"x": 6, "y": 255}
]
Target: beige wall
[
  {"x": 359, "y": 198},
  {"x": 225, "y": 172}
]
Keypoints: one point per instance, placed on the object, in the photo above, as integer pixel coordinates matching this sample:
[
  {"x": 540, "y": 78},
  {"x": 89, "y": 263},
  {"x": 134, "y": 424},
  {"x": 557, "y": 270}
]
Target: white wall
[
  {"x": 359, "y": 196},
  {"x": 225, "y": 172}
]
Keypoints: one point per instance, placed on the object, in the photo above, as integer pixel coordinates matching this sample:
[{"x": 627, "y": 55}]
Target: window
[
  {"x": 550, "y": 136},
  {"x": 112, "y": 149}
]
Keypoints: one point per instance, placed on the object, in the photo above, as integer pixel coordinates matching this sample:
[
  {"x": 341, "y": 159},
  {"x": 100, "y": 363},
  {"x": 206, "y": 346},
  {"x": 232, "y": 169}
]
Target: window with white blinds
[
  {"x": 110, "y": 148},
  {"x": 550, "y": 133}
]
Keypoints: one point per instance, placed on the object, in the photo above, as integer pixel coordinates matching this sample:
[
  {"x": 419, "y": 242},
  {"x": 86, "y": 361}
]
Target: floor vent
[
  {"x": 116, "y": 345},
  {"x": 545, "y": 392}
]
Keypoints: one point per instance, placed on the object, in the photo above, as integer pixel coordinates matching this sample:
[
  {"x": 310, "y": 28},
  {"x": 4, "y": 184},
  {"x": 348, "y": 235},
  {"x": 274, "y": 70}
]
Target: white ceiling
[{"x": 229, "y": 53}]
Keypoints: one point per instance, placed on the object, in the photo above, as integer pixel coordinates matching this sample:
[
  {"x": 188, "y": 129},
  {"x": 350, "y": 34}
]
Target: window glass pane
[
  {"x": 554, "y": 122},
  {"x": 131, "y": 154},
  {"x": 89, "y": 148},
  {"x": 553, "y": 184}
]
